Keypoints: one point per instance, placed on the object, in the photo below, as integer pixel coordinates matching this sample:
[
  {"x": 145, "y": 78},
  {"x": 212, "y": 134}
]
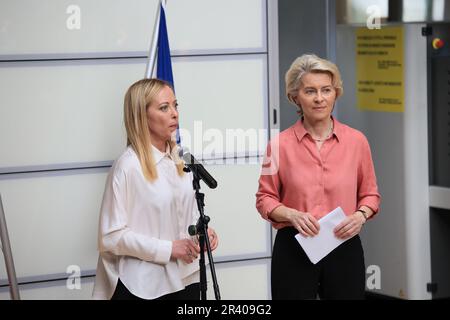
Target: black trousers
[
  {"x": 340, "y": 275},
  {"x": 191, "y": 292}
]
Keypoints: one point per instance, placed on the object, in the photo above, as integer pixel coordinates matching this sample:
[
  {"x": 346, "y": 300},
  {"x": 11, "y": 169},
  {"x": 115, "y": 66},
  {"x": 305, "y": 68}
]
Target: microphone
[{"x": 196, "y": 166}]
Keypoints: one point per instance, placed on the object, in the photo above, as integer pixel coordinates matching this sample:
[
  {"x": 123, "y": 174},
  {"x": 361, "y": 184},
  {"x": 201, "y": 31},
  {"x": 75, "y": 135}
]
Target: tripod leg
[{"x": 203, "y": 284}]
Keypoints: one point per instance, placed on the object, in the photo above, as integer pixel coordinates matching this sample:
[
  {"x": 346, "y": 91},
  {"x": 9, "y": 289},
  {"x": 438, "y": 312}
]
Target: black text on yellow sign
[{"x": 379, "y": 69}]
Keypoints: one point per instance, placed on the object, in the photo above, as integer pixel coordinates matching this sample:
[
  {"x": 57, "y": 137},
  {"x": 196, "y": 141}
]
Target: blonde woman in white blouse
[{"x": 148, "y": 205}]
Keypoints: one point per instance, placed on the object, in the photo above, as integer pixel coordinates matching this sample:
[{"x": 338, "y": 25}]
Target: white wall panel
[
  {"x": 71, "y": 112},
  {"x": 62, "y": 213},
  {"x": 55, "y": 290},
  {"x": 245, "y": 280},
  {"x": 39, "y": 29},
  {"x": 220, "y": 93},
  {"x": 52, "y": 222},
  {"x": 66, "y": 112},
  {"x": 216, "y": 25},
  {"x": 231, "y": 206}
]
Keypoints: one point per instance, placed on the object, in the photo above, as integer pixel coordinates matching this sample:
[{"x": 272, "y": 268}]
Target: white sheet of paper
[{"x": 317, "y": 247}]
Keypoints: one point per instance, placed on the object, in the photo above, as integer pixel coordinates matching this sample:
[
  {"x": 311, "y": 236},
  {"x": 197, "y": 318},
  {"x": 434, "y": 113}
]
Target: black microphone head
[{"x": 213, "y": 184}]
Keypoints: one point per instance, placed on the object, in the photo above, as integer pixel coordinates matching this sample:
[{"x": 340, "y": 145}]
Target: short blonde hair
[
  {"x": 137, "y": 99},
  {"x": 310, "y": 63}
]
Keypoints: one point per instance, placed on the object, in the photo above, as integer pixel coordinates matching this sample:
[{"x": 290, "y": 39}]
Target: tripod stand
[{"x": 201, "y": 229}]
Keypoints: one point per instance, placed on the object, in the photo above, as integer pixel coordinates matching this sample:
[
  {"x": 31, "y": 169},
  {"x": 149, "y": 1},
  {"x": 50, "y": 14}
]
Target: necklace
[{"x": 330, "y": 131}]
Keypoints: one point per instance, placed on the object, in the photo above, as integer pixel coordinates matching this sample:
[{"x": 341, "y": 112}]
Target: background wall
[
  {"x": 399, "y": 145},
  {"x": 61, "y": 96},
  {"x": 303, "y": 28}
]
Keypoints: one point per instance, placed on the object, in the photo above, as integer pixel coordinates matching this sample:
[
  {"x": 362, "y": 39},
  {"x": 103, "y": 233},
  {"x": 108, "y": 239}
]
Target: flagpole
[
  {"x": 154, "y": 44},
  {"x": 9, "y": 262}
]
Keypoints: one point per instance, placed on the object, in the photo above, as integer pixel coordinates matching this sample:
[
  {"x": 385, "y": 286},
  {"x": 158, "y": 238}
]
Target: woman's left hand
[
  {"x": 213, "y": 240},
  {"x": 350, "y": 227}
]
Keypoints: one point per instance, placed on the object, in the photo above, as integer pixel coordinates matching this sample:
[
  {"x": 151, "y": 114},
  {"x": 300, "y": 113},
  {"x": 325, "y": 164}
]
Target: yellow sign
[{"x": 379, "y": 69}]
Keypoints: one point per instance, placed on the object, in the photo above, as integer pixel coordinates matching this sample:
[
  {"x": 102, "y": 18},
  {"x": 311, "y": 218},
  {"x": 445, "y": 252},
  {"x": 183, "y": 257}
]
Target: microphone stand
[{"x": 202, "y": 231}]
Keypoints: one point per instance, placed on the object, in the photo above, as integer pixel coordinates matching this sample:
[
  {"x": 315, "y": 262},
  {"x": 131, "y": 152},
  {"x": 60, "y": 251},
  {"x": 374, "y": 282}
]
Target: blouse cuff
[
  {"x": 163, "y": 252},
  {"x": 268, "y": 207}
]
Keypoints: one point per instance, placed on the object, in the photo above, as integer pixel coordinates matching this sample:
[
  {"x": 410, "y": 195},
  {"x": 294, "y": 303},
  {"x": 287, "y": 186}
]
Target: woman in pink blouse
[{"x": 310, "y": 169}]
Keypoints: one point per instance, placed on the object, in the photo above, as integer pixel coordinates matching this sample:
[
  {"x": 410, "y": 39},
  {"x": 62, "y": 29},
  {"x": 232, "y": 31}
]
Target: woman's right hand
[
  {"x": 304, "y": 222},
  {"x": 185, "y": 249}
]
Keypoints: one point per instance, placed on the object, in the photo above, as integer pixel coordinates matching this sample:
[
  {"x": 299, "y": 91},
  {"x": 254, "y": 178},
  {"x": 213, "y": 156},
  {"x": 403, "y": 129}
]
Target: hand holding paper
[{"x": 316, "y": 248}]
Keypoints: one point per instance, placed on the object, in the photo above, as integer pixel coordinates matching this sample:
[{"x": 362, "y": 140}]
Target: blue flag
[{"x": 164, "y": 66}]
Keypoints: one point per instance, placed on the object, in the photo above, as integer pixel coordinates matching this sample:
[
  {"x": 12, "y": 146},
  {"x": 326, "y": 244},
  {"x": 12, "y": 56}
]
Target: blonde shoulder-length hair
[
  {"x": 310, "y": 63},
  {"x": 137, "y": 100}
]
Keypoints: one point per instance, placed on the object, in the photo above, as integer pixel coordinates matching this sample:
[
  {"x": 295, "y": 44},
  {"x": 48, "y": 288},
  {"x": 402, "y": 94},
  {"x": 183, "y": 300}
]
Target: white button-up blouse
[{"x": 138, "y": 222}]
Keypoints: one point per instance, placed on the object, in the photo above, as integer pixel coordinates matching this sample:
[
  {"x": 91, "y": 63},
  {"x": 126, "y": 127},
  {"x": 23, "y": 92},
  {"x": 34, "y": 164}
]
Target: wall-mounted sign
[{"x": 379, "y": 69}]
